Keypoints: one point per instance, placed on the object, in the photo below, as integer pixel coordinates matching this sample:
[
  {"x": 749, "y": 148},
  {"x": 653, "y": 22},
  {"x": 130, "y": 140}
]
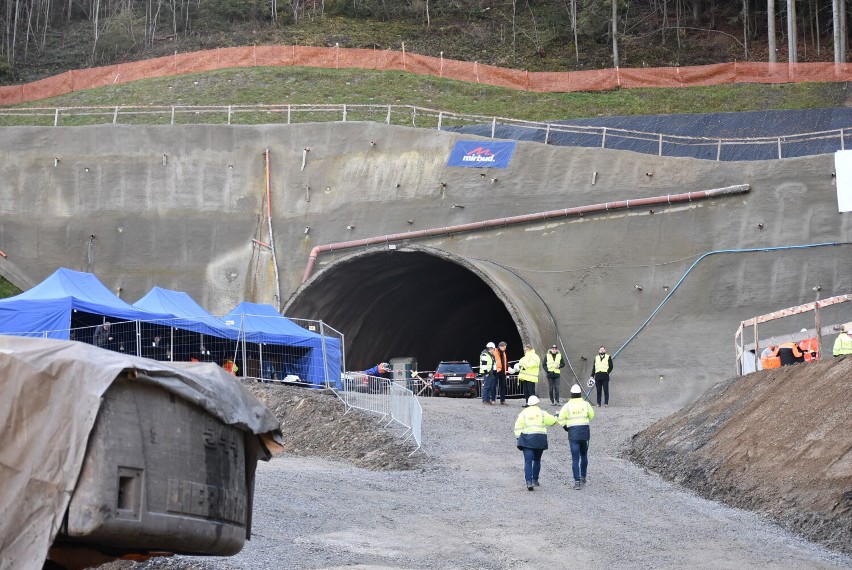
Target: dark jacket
[{"x": 789, "y": 353}]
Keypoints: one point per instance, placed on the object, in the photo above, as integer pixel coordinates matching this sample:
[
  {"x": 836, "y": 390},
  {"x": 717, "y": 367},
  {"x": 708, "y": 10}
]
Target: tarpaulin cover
[
  {"x": 52, "y": 392},
  {"x": 778, "y": 133},
  {"x": 191, "y": 315},
  {"x": 264, "y": 324},
  {"x": 45, "y": 310}
]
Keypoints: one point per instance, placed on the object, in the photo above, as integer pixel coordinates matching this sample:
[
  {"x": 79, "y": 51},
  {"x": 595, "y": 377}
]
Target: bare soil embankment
[{"x": 776, "y": 442}]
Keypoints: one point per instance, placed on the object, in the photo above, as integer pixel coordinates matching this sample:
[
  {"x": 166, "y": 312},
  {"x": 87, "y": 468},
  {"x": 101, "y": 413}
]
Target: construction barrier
[
  {"x": 387, "y": 60},
  {"x": 394, "y": 403}
]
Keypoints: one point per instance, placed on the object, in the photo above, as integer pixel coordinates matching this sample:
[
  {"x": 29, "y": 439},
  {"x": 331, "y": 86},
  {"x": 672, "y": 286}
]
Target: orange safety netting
[{"x": 342, "y": 58}]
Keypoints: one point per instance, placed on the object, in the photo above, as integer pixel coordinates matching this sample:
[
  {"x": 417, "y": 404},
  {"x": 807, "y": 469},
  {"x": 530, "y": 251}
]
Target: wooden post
[
  {"x": 818, "y": 325},
  {"x": 756, "y": 355}
]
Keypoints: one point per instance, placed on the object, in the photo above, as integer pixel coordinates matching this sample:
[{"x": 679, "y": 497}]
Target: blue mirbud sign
[{"x": 481, "y": 154}]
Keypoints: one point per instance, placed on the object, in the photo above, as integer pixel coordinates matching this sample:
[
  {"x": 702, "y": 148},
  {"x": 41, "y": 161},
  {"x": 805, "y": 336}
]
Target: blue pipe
[{"x": 697, "y": 261}]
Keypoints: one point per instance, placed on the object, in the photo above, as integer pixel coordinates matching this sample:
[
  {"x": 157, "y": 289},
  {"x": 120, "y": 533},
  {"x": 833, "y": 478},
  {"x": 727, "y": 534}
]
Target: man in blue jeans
[
  {"x": 486, "y": 369},
  {"x": 531, "y": 431},
  {"x": 574, "y": 417}
]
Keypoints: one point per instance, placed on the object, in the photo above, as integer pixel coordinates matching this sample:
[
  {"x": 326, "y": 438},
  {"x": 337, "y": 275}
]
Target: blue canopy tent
[
  {"x": 190, "y": 316},
  {"x": 312, "y": 357},
  {"x": 68, "y": 300}
]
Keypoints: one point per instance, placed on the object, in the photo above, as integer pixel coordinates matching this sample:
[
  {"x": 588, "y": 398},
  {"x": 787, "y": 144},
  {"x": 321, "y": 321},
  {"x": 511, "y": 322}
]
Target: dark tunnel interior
[{"x": 408, "y": 304}]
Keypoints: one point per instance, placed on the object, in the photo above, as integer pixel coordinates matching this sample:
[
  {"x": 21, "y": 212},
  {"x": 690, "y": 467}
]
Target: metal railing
[
  {"x": 395, "y": 403},
  {"x": 559, "y": 134}
]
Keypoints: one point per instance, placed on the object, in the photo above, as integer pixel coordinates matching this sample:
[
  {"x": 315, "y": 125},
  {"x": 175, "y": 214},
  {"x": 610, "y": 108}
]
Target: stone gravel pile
[{"x": 461, "y": 501}]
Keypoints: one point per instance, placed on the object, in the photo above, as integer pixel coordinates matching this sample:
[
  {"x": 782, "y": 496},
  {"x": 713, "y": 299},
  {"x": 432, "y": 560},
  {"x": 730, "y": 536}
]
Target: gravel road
[{"x": 468, "y": 507}]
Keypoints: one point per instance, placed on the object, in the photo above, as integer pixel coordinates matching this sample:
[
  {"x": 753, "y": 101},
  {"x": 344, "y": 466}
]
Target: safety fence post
[
  {"x": 173, "y": 115},
  {"x": 493, "y": 126},
  {"x": 229, "y": 114},
  {"x": 660, "y": 145},
  {"x": 344, "y": 113},
  {"x": 779, "y": 148},
  {"x": 603, "y": 138},
  {"x": 440, "y": 119},
  {"x": 388, "y": 118},
  {"x": 719, "y": 151},
  {"x": 115, "y": 116},
  {"x": 547, "y": 134},
  {"x": 842, "y": 142},
  {"x": 56, "y": 117}
]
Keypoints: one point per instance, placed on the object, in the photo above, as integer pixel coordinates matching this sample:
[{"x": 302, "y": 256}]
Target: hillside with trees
[{"x": 43, "y": 38}]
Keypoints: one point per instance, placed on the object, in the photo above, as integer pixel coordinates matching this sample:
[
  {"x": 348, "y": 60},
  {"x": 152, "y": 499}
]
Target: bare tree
[
  {"x": 770, "y": 30},
  {"x": 615, "y": 33},
  {"x": 573, "y": 11},
  {"x": 839, "y": 56},
  {"x": 792, "y": 56}
]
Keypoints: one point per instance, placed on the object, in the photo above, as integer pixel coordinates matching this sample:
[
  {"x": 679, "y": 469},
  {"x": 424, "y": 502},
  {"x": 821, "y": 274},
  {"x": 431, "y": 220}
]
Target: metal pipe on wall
[{"x": 522, "y": 219}]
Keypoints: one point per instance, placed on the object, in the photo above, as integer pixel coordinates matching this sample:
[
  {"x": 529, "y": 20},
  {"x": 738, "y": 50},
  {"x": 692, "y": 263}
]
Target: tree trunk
[
  {"x": 615, "y": 33},
  {"x": 792, "y": 56},
  {"x": 697, "y": 12},
  {"x": 842, "y": 7},
  {"x": 574, "y": 29},
  {"x": 770, "y": 30}
]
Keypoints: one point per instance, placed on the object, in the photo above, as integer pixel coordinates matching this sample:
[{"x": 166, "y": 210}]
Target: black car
[{"x": 455, "y": 377}]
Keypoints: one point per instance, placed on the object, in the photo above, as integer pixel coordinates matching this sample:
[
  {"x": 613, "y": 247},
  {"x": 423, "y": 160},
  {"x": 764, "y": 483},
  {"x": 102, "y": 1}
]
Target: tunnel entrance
[{"x": 395, "y": 303}]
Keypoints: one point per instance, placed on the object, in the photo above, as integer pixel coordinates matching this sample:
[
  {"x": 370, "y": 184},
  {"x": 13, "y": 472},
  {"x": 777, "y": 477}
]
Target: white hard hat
[
  {"x": 533, "y": 401},
  {"x": 490, "y": 345},
  {"x": 575, "y": 389}
]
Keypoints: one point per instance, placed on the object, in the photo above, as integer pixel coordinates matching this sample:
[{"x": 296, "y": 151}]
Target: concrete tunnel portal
[{"x": 415, "y": 302}]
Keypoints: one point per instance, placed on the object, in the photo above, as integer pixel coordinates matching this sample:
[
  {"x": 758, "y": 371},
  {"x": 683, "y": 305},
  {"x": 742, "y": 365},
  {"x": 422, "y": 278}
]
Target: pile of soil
[
  {"x": 315, "y": 424},
  {"x": 776, "y": 441}
]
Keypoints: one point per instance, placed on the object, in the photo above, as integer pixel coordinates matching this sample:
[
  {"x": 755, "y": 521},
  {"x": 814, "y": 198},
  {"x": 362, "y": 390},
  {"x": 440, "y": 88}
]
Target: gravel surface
[{"x": 463, "y": 504}]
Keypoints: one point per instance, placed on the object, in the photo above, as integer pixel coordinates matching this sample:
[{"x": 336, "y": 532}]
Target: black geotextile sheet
[{"x": 785, "y": 134}]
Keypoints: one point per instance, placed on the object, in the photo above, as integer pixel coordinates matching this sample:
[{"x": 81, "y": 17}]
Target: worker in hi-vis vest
[
  {"x": 553, "y": 361},
  {"x": 574, "y": 417},
  {"x": 531, "y": 431},
  {"x": 600, "y": 375},
  {"x": 486, "y": 369},
  {"x": 527, "y": 368},
  {"x": 842, "y": 344}
]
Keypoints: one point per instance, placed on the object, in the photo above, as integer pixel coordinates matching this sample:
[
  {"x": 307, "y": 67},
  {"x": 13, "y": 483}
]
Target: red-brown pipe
[{"x": 522, "y": 219}]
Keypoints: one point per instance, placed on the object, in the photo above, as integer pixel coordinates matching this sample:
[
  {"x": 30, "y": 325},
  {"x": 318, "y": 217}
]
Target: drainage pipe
[
  {"x": 523, "y": 219},
  {"x": 707, "y": 254}
]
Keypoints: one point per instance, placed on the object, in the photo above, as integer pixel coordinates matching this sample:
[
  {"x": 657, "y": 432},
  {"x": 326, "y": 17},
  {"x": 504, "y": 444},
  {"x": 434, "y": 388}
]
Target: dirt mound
[
  {"x": 314, "y": 423},
  {"x": 776, "y": 442}
]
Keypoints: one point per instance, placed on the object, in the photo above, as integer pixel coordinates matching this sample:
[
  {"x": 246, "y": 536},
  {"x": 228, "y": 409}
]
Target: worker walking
[
  {"x": 842, "y": 344},
  {"x": 486, "y": 369},
  {"x": 600, "y": 374},
  {"x": 527, "y": 368},
  {"x": 552, "y": 363},
  {"x": 574, "y": 417},
  {"x": 531, "y": 431}
]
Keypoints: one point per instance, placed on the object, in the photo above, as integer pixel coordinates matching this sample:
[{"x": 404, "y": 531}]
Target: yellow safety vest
[
  {"x": 553, "y": 362},
  {"x": 602, "y": 363},
  {"x": 486, "y": 362},
  {"x": 528, "y": 366},
  {"x": 577, "y": 412},
  {"x": 533, "y": 420},
  {"x": 842, "y": 345}
]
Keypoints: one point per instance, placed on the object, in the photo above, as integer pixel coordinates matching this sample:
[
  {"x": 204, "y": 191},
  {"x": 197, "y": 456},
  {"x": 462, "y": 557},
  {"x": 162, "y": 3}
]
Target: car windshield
[{"x": 454, "y": 368}]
